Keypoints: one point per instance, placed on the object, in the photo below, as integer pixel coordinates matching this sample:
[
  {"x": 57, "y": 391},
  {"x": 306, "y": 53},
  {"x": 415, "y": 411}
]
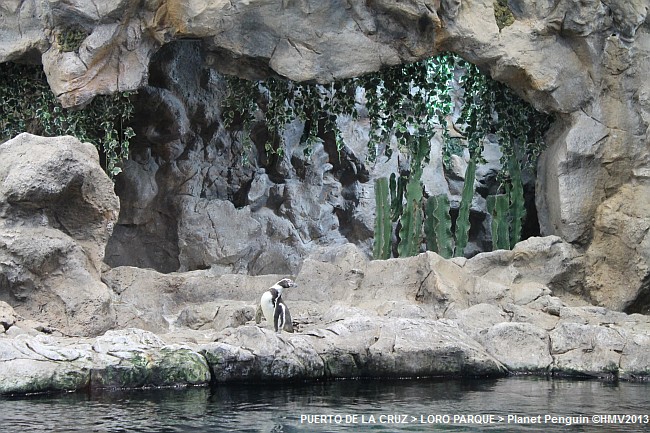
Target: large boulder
[
  {"x": 618, "y": 259},
  {"x": 129, "y": 358},
  {"x": 204, "y": 299},
  {"x": 57, "y": 210},
  {"x": 356, "y": 346},
  {"x": 521, "y": 347},
  {"x": 7, "y": 316},
  {"x": 548, "y": 260}
]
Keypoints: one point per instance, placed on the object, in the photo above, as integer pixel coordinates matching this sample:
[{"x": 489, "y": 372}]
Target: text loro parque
[{"x": 488, "y": 418}]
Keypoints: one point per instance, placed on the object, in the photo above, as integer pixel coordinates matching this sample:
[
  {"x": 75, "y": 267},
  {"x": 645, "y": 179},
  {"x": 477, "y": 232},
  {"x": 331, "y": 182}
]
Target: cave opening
[{"x": 304, "y": 177}]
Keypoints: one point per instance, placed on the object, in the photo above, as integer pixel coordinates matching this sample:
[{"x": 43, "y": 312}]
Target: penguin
[
  {"x": 273, "y": 307},
  {"x": 281, "y": 317}
]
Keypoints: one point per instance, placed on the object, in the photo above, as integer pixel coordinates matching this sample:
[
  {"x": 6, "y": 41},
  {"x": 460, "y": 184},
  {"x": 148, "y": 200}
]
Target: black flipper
[{"x": 278, "y": 314}]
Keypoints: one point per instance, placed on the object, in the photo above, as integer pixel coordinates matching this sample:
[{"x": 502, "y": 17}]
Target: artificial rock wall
[{"x": 586, "y": 62}]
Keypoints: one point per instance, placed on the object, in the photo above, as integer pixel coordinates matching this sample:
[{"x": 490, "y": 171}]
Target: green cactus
[
  {"x": 437, "y": 226},
  {"x": 462, "y": 222},
  {"x": 498, "y": 206},
  {"x": 396, "y": 196},
  {"x": 517, "y": 207},
  {"x": 392, "y": 187},
  {"x": 430, "y": 224},
  {"x": 411, "y": 231},
  {"x": 383, "y": 225}
]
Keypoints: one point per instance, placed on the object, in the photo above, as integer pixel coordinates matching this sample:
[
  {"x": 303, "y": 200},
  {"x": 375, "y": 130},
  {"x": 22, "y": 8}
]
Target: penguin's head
[{"x": 284, "y": 283}]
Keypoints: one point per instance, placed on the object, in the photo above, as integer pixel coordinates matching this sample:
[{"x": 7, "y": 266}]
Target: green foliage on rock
[
  {"x": 502, "y": 14},
  {"x": 28, "y": 105},
  {"x": 401, "y": 101},
  {"x": 409, "y": 103},
  {"x": 489, "y": 107},
  {"x": 70, "y": 39},
  {"x": 166, "y": 367},
  {"x": 281, "y": 102}
]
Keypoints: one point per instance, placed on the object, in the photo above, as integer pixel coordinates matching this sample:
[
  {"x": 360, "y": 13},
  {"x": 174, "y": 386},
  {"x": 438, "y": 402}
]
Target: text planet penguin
[{"x": 273, "y": 307}]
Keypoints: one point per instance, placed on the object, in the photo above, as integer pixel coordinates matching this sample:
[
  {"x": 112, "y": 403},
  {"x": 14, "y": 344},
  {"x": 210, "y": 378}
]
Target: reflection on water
[{"x": 406, "y": 405}]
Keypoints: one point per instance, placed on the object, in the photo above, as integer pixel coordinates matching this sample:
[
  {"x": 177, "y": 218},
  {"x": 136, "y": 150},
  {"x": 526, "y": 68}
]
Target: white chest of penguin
[{"x": 268, "y": 306}]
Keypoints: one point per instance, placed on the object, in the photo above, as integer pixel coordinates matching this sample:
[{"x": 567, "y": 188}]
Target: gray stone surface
[
  {"x": 346, "y": 342},
  {"x": 549, "y": 261},
  {"x": 589, "y": 72},
  {"x": 522, "y": 347},
  {"x": 588, "y": 68},
  {"x": 57, "y": 210},
  {"x": 618, "y": 260},
  {"x": 118, "y": 359},
  {"x": 7, "y": 316},
  {"x": 415, "y": 317}
]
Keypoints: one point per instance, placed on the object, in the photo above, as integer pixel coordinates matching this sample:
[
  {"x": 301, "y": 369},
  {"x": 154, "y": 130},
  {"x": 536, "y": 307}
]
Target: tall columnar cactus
[
  {"x": 383, "y": 225},
  {"x": 462, "y": 222},
  {"x": 411, "y": 220},
  {"x": 517, "y": 207},
  {"x": 437, "y": 226},
  {"x": 498, "y": 206},
  {"x": 430, "y": 225},
  {"x": 411, "y": 231},
  {"x": 397, "y": 185}
]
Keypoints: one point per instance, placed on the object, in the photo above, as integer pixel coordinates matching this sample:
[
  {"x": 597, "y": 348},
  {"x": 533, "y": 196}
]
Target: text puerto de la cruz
[{"x": 451, "y": 419}]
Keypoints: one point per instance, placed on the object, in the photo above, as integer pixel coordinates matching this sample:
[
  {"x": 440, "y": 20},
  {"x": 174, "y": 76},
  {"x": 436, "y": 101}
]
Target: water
[{"x": 347, "y": 406}]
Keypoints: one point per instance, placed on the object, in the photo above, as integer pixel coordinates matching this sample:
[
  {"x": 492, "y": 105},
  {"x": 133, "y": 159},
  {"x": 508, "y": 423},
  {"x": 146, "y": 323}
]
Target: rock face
[
  {"x": 7, "y": 316},
  {"x": 188, "y": 176},
  {"x": 57, "y": 210},
  {"x": 369, "y": 315},
  {"x": 130, "y": 358},
  {"x": 190, "y": 201},
  {"x": 317, "y": 45},
  {"x": 589, "y": 69},
  {"x": 620, "y": 251},
  {"x": 415, "y": 317}
]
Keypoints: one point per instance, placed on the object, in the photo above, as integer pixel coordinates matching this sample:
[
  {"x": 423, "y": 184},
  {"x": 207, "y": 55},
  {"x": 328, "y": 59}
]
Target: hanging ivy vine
[
  {"x": 402, "y": 101},
  {"x": 28, "y": 105}
]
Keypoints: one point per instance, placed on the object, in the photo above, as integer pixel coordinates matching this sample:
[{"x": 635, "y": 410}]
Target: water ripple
[{"x": 278, "y": 409}]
